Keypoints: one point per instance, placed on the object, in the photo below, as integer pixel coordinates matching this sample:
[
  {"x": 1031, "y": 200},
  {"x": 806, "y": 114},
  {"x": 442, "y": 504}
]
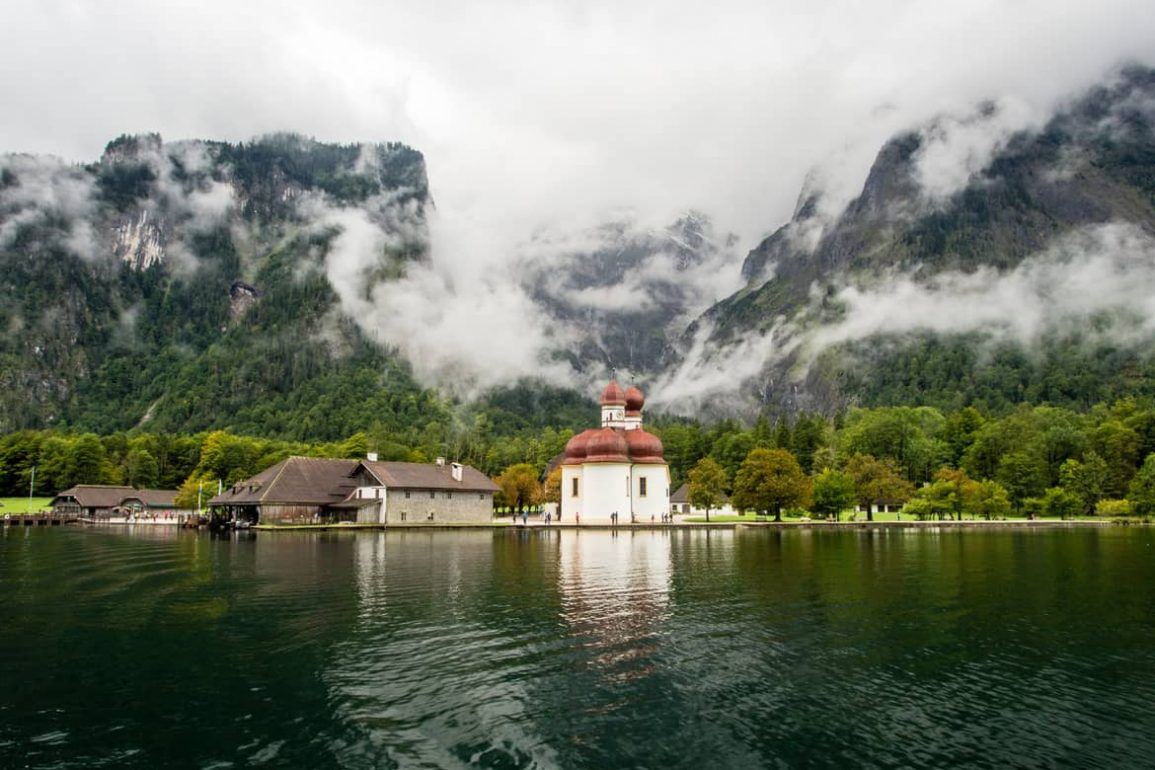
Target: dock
[{"x": 38, "y": 520}]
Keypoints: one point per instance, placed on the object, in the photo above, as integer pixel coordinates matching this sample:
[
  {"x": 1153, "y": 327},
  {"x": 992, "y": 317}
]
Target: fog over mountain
[{"x": 570, "y": 148}]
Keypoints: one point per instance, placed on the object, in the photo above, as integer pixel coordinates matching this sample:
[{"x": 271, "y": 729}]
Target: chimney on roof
[
  {"x": 371, "y": 457},
  {"x": 458, "y": 471},
  {"x": 440, "y": 462}
]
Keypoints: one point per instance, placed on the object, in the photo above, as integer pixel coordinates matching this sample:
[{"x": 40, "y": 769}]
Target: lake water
[{"x": 152, "y": 648}]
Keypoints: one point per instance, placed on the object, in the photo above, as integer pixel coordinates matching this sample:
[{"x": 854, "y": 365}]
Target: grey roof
[
  {"x": 308, "y": 480},
  {"x": 429, "y": 476},
  {"x": 153, "y": 498},
  {"x": 95, "y": 495},
  {"x": 324, "y": 481}
]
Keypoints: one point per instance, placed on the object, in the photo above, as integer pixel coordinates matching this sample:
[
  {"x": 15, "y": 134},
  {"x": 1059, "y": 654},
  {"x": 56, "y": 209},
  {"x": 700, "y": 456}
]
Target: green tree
[
  {"x": 990, "y": 500},
  {"x": 1023, "y": 474},
  {"x": 87, "y": 463},
  {"x": 808, "y": 437},
  {"x": 770, "y": 480},
  {"x": 876, "y": 480},
  {"x": 1086, "y": 480},
  {"x": 950, "y": 494},
  {"x": 833, "y": 493},
  {"x": 707, "y": 485},
  {"x": 196, "y": 489},
  {"x": 1061, "y": 503},
  {"x": 141, "y": 469},
  {"x": 1118, "y": 445},
  {"x": 1141, "y": 493},
  {"x": 731, "y": 449}
]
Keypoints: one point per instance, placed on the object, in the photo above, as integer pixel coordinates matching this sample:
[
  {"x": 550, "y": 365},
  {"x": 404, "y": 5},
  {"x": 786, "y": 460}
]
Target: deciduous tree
[
  {"x": 519, "y": 486},
  {"x": 833, "y": 493},
  {"x": 770, "y": 480},
  {"x": 707, "y": 485},
  {"x": 876, "y": 480}
]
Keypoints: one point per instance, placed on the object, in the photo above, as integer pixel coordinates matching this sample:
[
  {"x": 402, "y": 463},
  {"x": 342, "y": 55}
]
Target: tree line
[{"x": 1032, "y": 460}]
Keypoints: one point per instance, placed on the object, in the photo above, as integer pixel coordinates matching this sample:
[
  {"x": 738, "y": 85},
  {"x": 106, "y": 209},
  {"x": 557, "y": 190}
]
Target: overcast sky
[
  {"x": 552, "y": 116},
  {"x": 528, "y": 112}
]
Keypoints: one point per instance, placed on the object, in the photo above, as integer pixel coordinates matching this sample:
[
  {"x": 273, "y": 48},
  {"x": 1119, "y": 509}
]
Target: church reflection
[{"x": 615, "y": 595}]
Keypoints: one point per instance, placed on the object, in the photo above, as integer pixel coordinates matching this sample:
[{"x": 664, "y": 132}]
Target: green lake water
[{"x": 152, "y": 648}]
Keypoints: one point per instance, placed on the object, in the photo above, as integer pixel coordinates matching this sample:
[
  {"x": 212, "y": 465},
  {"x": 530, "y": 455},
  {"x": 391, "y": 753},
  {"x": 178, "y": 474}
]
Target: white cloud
[
  {"x": 43, "y": 188},
  {"x": 1101, "y": 269},
  {"x": 955, "y": 148},
  {"x": 555, "y": 115}
]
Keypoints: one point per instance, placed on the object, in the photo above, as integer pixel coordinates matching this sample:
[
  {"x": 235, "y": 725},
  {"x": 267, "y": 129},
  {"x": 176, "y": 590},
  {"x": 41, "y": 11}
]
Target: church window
[
  {"x": 642, "y": 486},
  {"x": 574, "y": 493}
]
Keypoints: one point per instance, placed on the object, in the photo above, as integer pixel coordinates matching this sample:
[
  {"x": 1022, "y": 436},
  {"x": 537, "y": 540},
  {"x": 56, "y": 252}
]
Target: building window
[
  {"x": 642, "y": 486},
  {"x": 574, "y": 493},
  {"x": 403, "y": 514},
  {"x": 406, "y": 495},
  {"x": 432, "y": 495},
  {"x": 448, "y": 495},
  {"x": 481, "y": 496}
]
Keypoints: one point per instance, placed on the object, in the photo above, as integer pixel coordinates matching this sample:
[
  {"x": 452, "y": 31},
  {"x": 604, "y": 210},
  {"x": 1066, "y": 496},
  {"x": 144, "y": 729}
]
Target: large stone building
[
  {"x": 618, "y": 468},
  {"x": 314, "y": 489}
]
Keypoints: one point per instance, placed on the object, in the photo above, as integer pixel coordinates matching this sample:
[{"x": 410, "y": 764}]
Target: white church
[{"x": 618, "y": 468}]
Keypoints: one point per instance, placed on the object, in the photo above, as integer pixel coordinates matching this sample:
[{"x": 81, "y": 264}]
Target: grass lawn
[
  {"x": 847, "y": 516},
  {"x": 15, "y": 506}
]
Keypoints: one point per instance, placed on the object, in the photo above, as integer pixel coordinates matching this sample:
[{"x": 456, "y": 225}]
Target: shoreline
[
  {"x": 726, "y": 525},
  {"x": 647, "y": 526}
]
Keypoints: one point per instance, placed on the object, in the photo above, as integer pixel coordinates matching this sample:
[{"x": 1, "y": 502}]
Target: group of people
[{"x": 548, "y": 517}]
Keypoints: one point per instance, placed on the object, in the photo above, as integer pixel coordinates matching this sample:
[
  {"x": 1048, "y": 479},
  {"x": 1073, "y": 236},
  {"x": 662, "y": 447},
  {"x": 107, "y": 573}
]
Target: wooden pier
[{"x": 37, "y": 520}]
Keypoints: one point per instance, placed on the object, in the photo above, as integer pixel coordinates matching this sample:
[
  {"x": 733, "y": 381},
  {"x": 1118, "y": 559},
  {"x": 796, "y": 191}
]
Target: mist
[{"x": 557, "y": 118}]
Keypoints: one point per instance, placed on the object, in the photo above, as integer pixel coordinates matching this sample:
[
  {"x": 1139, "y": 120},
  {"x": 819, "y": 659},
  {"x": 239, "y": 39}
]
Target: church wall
[
  {"x": 607, "y": 487},
  {"x": 657, "y": 499},
  {"x": 571, "y": 504}
]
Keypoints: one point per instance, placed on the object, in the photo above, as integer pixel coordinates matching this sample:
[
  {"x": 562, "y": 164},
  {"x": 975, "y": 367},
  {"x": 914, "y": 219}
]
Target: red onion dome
[
  {"x": 577, "y": 447},
  {"x": 634, "y": 399},
  {"x": 607, "y": 446},
  {"x": 613, "y": 395},
  {"x": 644, "y": 447}
]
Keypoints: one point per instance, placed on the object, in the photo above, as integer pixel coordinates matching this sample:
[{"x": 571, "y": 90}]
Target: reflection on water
[{"x": 153, "y": 647}]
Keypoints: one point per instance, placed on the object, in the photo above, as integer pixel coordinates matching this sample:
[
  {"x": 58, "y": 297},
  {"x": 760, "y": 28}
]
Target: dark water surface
[{"x": 146, "y": 649}]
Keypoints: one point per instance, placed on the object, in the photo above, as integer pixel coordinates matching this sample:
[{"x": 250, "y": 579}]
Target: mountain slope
[
  {"x": 185, "y": 286},
  {"x": 1079, "y": 188}
]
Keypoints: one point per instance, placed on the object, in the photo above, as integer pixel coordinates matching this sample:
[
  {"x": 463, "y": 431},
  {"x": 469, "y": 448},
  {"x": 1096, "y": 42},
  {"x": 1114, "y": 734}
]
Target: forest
[{"x": 1031, "y": 460}]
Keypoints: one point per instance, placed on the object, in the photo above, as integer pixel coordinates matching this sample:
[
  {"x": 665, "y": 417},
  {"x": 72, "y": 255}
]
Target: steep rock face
[
  {"x": 626, "y": 299},
  {"x": 128, "y": 287},
  {"x": 1092, "y": 165}
]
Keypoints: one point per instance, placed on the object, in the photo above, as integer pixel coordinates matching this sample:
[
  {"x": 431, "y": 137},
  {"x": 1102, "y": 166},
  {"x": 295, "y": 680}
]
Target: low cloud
[
  {"x": 1098, "y": 282},
  {"x": 1105, "y": 269},
  {"x": 955, "y": 148},
  {"x": 36, "y": 191}
]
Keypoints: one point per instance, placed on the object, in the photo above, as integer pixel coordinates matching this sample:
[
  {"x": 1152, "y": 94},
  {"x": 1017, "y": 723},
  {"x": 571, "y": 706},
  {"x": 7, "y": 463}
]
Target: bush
[{"x": 1113, "y": 508}]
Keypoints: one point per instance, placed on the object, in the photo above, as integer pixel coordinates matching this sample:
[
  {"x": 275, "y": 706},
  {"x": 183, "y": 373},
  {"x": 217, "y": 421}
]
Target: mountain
[
  {"x": 909, "y": 293},
  {"x": 192, "y": 285},
  {"x": 626, "y": 293},
  {"x": 188, "y": 285}
]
